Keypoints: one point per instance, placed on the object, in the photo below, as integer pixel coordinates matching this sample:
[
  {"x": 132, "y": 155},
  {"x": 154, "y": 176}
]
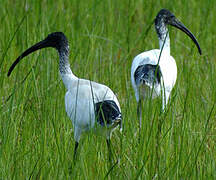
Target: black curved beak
[
  {"x": 42, "y": 44},
  {"x": 176, "y": 23}
]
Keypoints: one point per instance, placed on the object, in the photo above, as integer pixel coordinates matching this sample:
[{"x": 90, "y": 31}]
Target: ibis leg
[
  {"x": 165, "y": 101},
  {"x": 75, "y": 150},
  {"x": 139, "y": 113},
  {"x": 109, "y": 149}
]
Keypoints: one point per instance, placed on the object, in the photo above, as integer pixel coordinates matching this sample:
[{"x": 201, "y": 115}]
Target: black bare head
[
  {"x": 165, "y": 17},
  {"x": 55, "y": 40}
]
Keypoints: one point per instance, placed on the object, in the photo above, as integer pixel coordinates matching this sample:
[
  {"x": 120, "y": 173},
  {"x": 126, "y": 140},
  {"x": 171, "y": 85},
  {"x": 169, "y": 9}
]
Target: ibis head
[
  {"x": 55, "y": 40},
  {"x": 165, "y": 17}
]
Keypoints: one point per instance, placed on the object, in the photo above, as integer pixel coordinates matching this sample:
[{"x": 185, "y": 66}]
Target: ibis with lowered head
[
  {"x": 154, "y": 72},
  {"x": 90, "y": 106}
]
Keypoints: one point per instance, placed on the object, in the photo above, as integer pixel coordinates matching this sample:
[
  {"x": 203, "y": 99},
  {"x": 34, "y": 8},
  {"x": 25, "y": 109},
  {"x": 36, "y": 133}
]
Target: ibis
[
  {"x": 154, "y": 72},
  {"x": 90, "y": 106}
]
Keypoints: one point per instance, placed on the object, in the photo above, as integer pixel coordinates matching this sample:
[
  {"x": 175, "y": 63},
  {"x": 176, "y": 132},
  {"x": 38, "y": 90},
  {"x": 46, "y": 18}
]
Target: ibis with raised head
[
  {"x": 154, "y": 72},
  {"x": 90, "y": 106}
]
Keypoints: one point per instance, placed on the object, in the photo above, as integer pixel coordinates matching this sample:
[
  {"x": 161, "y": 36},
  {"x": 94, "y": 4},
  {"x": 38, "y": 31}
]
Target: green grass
[{"x": 36, "y": 136}]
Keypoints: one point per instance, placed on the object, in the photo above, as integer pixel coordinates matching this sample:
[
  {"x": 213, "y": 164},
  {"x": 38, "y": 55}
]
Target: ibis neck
[
  {"x": 64, "y": 67},
  {"x": 164, "y": 43},
  {"x": 163, "y": 36}
]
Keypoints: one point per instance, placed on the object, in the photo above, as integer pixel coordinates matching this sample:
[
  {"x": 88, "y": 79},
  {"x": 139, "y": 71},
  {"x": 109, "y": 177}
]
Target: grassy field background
[{"x": 36, "y": 136}]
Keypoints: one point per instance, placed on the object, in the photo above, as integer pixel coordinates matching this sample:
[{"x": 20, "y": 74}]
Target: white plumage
[
  {"x": 81, "y": 110},
  {"x": 154, "y": 72},
  {"x": 90, "y": 105},
  {"x": 169, "y": 77}
]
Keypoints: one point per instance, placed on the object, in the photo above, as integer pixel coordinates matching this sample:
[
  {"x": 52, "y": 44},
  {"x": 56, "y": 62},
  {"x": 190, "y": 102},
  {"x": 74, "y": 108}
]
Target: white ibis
[
  {"x": 89, "y": 105},
  {"x": 154, "y": 72}
]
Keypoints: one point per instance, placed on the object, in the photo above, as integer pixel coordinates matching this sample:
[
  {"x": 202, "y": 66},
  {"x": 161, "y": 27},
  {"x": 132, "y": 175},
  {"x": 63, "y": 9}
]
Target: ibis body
[
  {"x": 154, "y": 72},
  {"x": 90, "y": 106}
]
